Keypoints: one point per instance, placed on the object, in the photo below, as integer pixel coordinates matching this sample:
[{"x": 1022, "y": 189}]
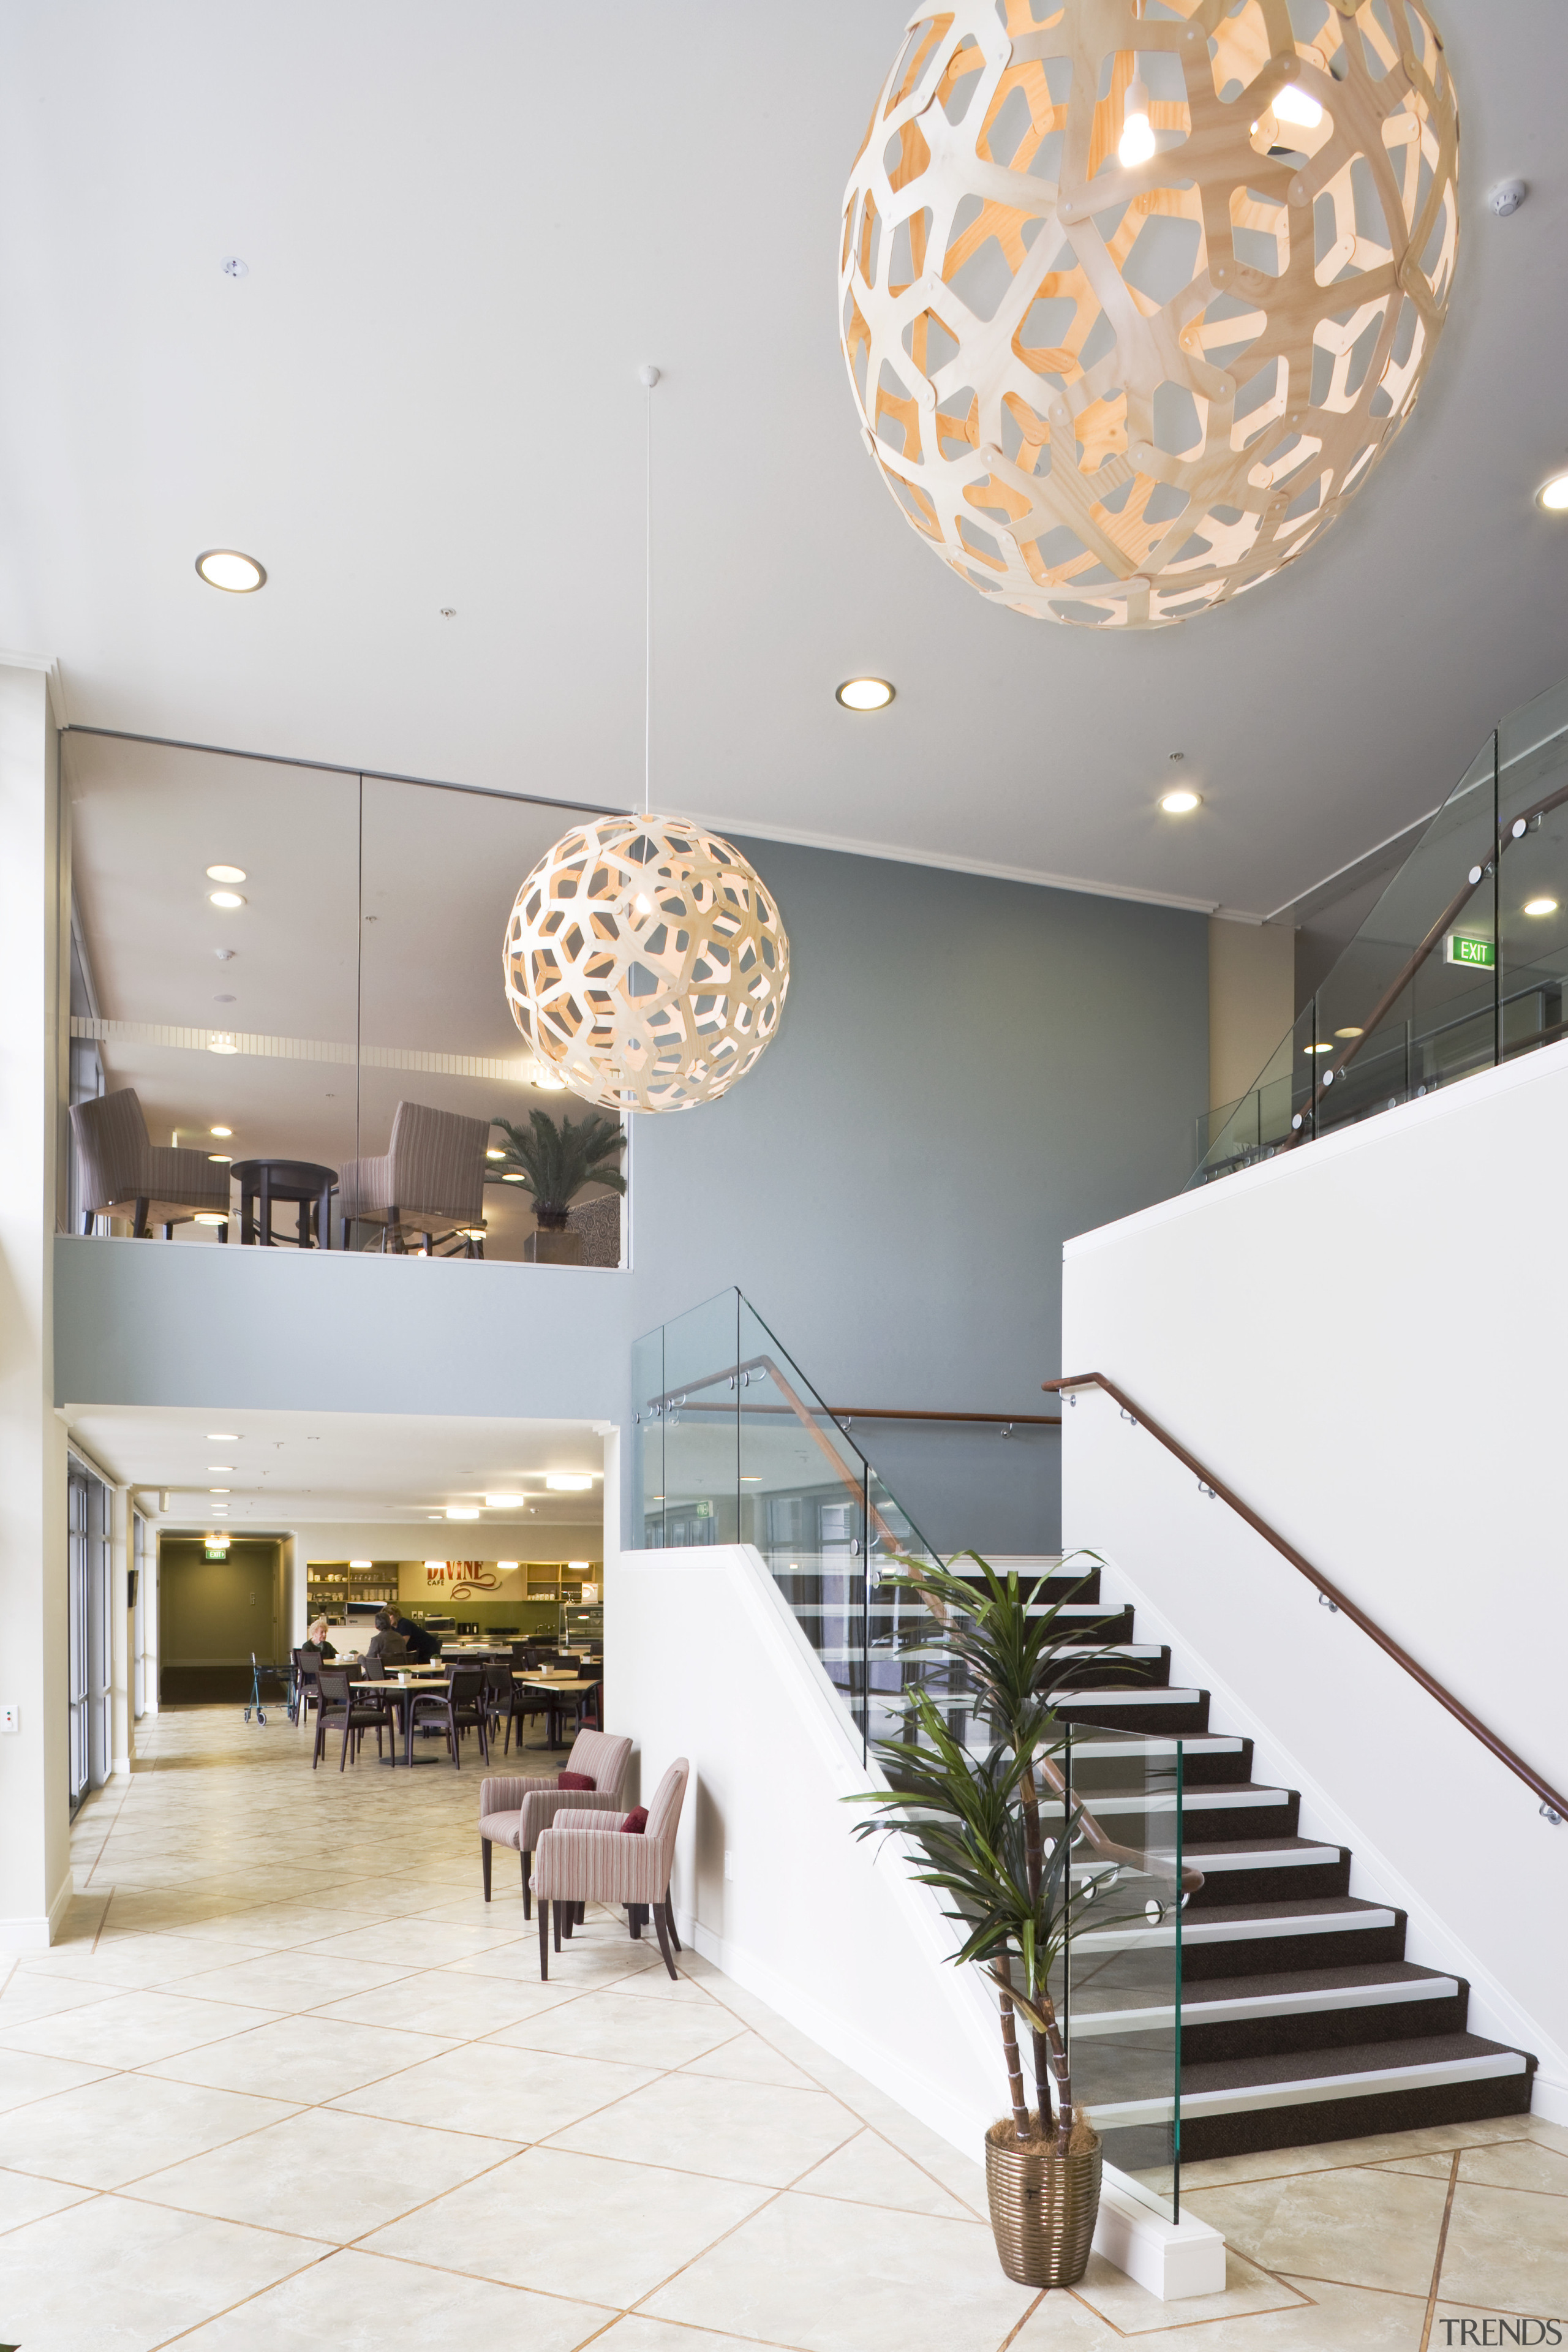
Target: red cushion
[
  {"x": 574, "y": 1780},
  {"x": 635, "y": 1821}
]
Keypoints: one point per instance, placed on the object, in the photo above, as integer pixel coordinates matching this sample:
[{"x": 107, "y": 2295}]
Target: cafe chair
[
  {"x": 574, "y": 1865},
  {"x": 305, "y": 1696},
  {"x": 335, "y": 1705},
  {"x": 431, "y": 1175},
  {"x": 122, "y": 1170},
  {"x": 516, "y": 1811},
  {"x": 459, "y": 1707}
]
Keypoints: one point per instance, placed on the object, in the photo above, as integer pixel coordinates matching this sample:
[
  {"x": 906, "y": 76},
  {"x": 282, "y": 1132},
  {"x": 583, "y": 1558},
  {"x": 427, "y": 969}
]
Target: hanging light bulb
[
  {"x": 1293, "y": 104},
  {"x": 1137, "y": 142}
]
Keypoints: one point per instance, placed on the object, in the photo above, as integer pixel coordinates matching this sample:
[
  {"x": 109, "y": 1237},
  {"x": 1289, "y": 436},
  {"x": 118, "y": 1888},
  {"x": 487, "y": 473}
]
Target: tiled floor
[{"x": 286, "y": 2082}]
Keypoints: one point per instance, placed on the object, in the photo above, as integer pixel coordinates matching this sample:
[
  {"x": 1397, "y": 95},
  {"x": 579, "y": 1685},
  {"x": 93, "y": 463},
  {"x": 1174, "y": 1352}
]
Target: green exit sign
[{"x": 1482, "y": 954}]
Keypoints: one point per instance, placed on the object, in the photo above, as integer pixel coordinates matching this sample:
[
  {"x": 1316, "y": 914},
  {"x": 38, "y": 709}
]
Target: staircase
[{"x": 1301, "y": 2020}]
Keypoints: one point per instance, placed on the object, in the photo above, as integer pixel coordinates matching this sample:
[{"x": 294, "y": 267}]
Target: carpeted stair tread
[
  {"x": 1359, "y": 2058},
  {"x": 1288, "y": 1983}
]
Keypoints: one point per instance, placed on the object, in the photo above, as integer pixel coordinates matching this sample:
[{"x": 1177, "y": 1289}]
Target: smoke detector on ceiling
[{"x": 1508, "y": 196}]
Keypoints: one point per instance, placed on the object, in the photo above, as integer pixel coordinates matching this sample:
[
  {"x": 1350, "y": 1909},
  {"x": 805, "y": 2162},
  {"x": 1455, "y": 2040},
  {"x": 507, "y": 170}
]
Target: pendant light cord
[{"x": 649, "y": 377}]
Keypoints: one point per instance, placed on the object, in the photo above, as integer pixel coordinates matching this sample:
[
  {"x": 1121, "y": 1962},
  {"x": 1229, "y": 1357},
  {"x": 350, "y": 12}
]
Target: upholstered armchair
[
  {"x": 122, "y": 1169},
  {"x": 574, "y": 1865},
  {"x": 516, "y": 1811},
  {"x": 432, "y": 1174}
]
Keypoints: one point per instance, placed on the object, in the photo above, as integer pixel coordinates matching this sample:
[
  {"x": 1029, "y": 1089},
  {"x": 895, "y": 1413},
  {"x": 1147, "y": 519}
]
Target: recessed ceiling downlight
[
  {"x": 568, "y": 1482},
  {"x": 225, "y": 898},
  {"x": 863, "y": 694},
  {"x": 1540, "y": 906},
  {"x": 226, "y": 567},
  {"x": 1554, "y": 495},
  {"x": 226, "y": 874},
  {"x": 1180, "y": 803}
]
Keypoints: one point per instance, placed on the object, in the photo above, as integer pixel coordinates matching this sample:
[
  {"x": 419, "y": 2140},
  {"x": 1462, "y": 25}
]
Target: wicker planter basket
[{"x": 1043, "y": 2208}]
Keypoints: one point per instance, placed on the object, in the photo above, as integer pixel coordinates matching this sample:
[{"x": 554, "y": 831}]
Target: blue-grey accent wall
[{"x": 968, "y": 1071}]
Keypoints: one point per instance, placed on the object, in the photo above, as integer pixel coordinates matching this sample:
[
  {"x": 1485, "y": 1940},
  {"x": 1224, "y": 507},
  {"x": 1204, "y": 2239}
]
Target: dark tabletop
[{"x": 285, "y": 1177}]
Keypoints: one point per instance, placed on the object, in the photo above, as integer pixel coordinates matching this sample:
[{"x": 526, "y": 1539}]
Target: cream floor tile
[
  {"x": 291, "y": 1981},
  {"x": 807, "y": 2272},
  {"x": 652, "y": 1983},
  {"x": 590, "y": 2025},
  {"x": 416, "y": 1943},
  {"x": 756, "y": 2132},
  {"x": 1130, "y": 2309},
  {"x": 1360, "y": 2227},
  {"x": 867, "y": 2171},
  {"x": 541, "y": 2221},
  {"x": 1501, "y": 2164},
  {"x": 114, "y": 2130},
  {"x": 465, "y": 2007},
  {"x": 25, "y": 2076},
  {"x": 382, "y": 2305},
  {"x": 519, "y": 2095},
  {"x": 311, "y": 2058},
  {"x": 634, "y": 2334},
  {"x": 1328, "y": 2319},
  {"x": 132, "y": 2029},
  {"x": 578, "y": 1967},
  {"x": 1549, "y": 2135},
  {"x": 23, "y": 2197},
  {"x": 117, "y": 2276},
  {"x": 745, "y": 2057},
  {"x": 27, "y": 1998},
  {"x": 1508, "y": 2249},
  {"x": 325, "y": 2174}
]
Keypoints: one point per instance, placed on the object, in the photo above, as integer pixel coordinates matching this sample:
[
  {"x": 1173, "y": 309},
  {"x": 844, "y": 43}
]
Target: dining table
[
  {"x": 556, "y": 1687},
  {"x": 402, "y": 1688}
]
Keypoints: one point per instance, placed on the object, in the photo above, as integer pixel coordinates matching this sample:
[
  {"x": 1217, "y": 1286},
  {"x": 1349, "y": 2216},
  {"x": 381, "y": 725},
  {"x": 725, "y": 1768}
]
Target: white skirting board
[
  {"x": 36, "y": 1935},
  {"x": 704, "y": 1658}
]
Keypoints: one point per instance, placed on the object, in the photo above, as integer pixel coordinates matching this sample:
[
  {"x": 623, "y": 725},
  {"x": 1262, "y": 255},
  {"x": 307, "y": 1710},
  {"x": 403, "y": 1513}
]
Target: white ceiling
[
  {"x": 466, "y": 228},
  {"x": 290, "y": 1469}
]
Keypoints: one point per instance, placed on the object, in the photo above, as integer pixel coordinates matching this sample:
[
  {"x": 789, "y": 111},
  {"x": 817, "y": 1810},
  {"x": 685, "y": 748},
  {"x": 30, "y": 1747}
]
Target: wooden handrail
[
  {"x": 848, "y": 1412},
  {"x": 1549, "y": 1796}
]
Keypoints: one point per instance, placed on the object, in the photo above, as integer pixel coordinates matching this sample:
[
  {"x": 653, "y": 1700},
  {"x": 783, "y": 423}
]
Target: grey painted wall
[{"x": 968, "y": 1072}]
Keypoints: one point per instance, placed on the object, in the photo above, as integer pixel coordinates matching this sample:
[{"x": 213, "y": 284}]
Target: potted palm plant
[
  {"x": 976, "y": 1825},
  {"x": 555, "y": 1161}
]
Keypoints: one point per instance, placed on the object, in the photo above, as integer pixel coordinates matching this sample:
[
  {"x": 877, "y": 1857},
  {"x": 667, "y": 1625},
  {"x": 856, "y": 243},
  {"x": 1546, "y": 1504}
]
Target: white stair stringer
[{"x": 704, "y": 1656}]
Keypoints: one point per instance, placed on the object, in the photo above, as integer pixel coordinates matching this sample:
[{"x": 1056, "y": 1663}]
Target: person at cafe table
[
  {"x": 384, "y": 1643},
  {"x": 422, "y": 1645}
]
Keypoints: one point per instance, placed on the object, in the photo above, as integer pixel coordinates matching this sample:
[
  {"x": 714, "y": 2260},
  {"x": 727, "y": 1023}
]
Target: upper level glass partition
[
  {"x": 1459, "y": 966},
  {"x": 731, "y": 1444},
  {"x": 360, "y": 972}
]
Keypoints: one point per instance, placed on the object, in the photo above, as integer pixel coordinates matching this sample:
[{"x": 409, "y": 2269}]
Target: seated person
[
  {"x": 316, "y": 1638},
  {"x": 389, "y": 1648},
  {"x": 422, "y": 1645}
]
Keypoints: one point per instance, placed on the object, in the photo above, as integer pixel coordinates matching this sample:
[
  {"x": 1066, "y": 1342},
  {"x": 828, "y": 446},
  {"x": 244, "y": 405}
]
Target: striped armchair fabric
[
  {"x": 434, "y": 1167},
  {"x": 573, "y": 1865},
  {"x": 515, "y": 1810},
  {"x": 122, "y": 1167}
]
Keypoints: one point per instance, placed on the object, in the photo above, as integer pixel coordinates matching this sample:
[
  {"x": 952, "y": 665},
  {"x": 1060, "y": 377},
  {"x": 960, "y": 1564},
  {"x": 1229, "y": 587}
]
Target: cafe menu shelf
[{"x": 556, "y": 1582}]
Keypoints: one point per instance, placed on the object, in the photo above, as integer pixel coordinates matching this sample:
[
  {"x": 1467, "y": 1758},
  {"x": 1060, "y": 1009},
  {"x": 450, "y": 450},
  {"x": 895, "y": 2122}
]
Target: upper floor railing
[
  {"x": 288, "y": 1013},
  {"x": 1459, "y": 966}
]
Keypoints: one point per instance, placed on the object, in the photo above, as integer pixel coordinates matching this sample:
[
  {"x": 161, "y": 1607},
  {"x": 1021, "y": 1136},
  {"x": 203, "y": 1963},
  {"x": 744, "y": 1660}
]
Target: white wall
[
  {"x": 35, "y": 1856},
  {"x": 703, "y": 1658},
  {"x": 1365, "y": 1339}
]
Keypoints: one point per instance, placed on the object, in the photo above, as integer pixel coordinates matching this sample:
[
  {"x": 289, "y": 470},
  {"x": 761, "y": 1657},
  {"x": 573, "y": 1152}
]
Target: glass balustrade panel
[
  {"x": 646, "y": 1515},
  {"x": 697, "y": 1408},
  {"x": 1121, "y": 1984},
  {"x": 1532, "y": 873},
  {"x": 233, "y": 1024},
  {"x": 803, "y": 1505},
  {"x": 441, "y": 869}
]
